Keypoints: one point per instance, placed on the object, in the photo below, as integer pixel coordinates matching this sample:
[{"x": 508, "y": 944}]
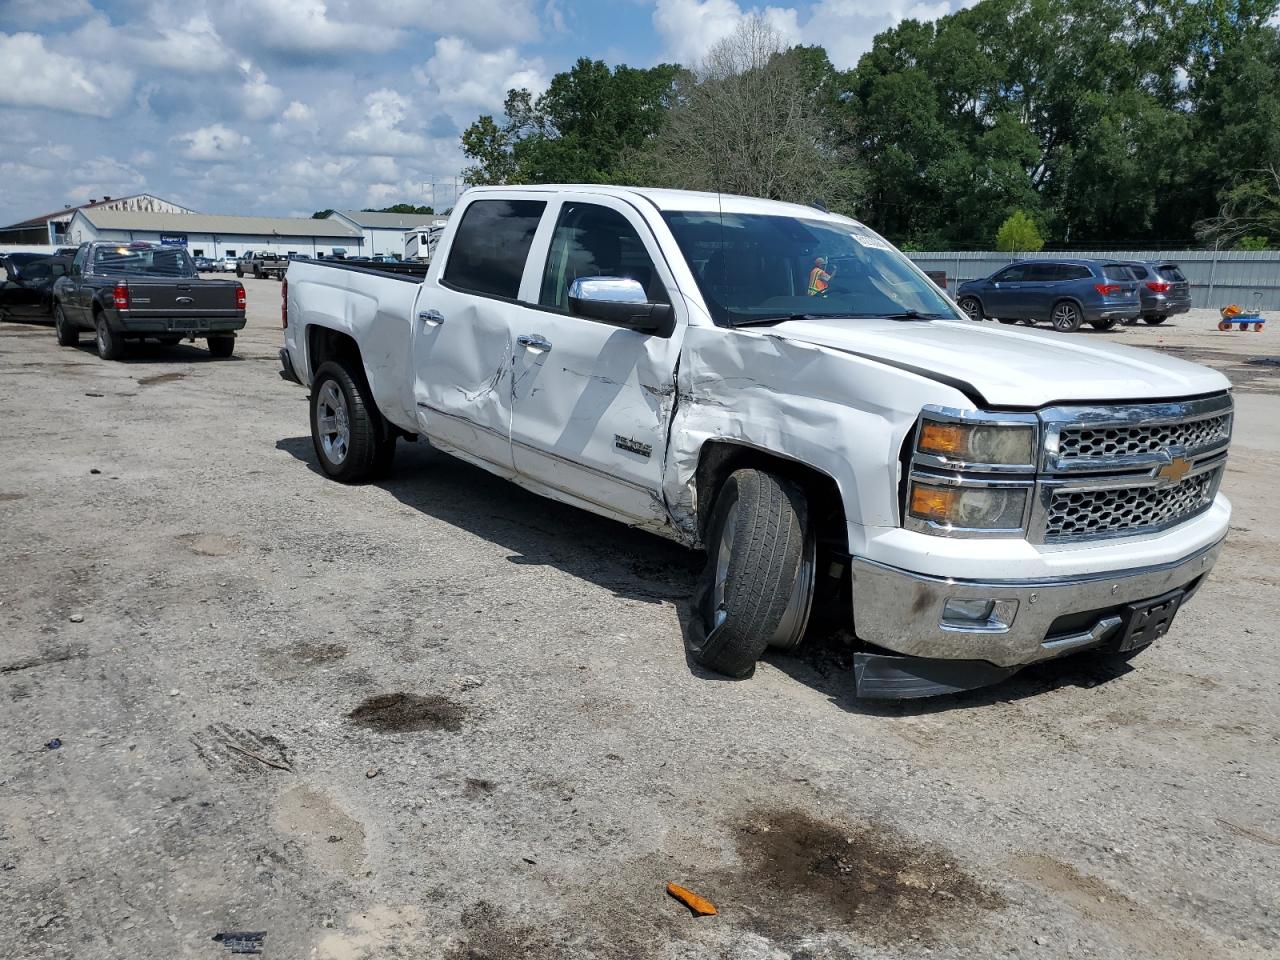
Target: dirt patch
[
  {"x": 801, "y": 873},
  {"x": 491, "y": 935},
  {"x": 210, "y": 544},
  {"x": 331, "y": 838},
  {"x": 9, "y": 497},
  {"x": 407, "y": 712},
  {"x": 161, "y": 378},
  {"x": 311, "y": 654},
  {"x": 479, "y": 787}
]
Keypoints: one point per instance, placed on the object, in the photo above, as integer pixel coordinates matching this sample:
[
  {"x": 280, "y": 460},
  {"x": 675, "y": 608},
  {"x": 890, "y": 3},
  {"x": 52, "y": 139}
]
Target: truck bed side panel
[{"x": 376, "y": 311}]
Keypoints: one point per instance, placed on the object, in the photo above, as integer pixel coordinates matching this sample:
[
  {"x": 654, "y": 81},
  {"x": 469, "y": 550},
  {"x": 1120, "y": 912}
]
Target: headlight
[
  {"x": 1006, "y": 444},
  {"x": 968, "y": 508}
]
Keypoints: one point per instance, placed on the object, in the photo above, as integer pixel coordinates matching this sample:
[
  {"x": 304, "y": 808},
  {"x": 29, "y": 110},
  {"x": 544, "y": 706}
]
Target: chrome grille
[
  {"x": 1076, "y": 443},
  {"x": 1073, "y": 514}
]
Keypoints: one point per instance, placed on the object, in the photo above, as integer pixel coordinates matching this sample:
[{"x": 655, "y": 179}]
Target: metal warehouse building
[
  {"x": 218, "y": 236},
  {"x": 382, "y": 232}
]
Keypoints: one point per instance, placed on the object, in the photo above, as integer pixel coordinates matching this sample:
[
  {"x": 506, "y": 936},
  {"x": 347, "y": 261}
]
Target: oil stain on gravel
[
  {"x": 161, "y": 378},
  {"x": 407, "y": 712},
  {"x": 800, "y": 873}
]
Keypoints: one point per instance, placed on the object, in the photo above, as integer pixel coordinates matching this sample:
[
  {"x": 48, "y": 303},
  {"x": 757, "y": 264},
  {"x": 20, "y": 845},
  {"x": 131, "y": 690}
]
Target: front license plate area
[{"x": 1148, "y": 621}]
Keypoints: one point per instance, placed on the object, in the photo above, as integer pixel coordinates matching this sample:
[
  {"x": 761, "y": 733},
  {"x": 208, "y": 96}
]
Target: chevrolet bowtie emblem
[{"x": 1174, "y": 470}]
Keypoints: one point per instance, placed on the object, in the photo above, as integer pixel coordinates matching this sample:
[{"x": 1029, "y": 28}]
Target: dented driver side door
[{"x": 591, "y": 402}]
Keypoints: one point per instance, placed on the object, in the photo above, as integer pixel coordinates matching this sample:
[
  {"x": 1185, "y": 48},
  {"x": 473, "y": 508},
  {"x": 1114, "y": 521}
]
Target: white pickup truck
[{"x": 780, "y": 386}]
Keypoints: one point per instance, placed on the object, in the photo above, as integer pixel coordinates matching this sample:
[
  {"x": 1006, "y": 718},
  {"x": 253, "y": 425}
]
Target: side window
[
  {"x": 1116, "y": 271},
  {"x": 37, "y": 270},
  {"x": 595, "y": 241},
  {"x": 491, "y": 246},
  {"x": 1042, "y": 272},
  {"x": 1075, "y": 271},
  {"x": 1011, "y": 274},
  {"x": 81, "y": 256},
  {"x": 1170, "y": 271},
  {"x": 1139, "y": 271}
]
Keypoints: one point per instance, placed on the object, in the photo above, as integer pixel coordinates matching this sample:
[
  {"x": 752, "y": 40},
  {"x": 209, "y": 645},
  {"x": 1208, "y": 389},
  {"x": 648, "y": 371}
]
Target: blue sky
[{"x": 282, "y": 107}]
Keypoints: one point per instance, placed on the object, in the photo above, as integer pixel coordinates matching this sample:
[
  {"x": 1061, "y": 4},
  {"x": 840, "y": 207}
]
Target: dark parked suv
[
  {"x": 1163, "y": 287},
  {"x": 1067, "y": 293}
]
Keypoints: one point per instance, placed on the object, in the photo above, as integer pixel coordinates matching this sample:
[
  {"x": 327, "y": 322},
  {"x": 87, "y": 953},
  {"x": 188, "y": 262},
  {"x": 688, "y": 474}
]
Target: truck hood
[{"x": 1010, "y": 368}]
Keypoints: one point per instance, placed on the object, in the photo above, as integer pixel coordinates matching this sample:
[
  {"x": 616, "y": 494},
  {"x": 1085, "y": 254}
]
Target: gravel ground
[{"x": 441, "y": 717}]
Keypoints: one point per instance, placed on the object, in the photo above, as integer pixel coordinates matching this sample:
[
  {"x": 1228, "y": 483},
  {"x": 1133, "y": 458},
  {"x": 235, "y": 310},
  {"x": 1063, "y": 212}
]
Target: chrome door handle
[
  {"x": 433, "y": 317},
  {"x": 534, "y": 341}
]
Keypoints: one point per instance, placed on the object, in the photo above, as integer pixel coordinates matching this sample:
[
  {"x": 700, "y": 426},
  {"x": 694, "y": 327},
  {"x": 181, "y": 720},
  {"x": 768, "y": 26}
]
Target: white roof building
[
  {"x": 218, "y": 236},
  {"x": 382, "y": 232}
]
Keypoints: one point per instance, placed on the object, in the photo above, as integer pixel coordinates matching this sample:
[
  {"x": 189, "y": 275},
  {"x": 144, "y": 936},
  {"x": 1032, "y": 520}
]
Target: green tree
[
  {"x": 402, "y": 208},
  {"x": 1019, "y": 234},
  {"x": 575, "y": 132},
  {"x": 321, "y": 214},
  {"x": 1253, "y": 243}
]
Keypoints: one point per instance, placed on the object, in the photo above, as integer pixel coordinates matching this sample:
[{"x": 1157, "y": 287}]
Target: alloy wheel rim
[
  {"x": 971, "y": 308},
  {"x": 724, "y": 551},
  {"x": 1063, "y": 316},
  {"x": 333, "y": 423}
]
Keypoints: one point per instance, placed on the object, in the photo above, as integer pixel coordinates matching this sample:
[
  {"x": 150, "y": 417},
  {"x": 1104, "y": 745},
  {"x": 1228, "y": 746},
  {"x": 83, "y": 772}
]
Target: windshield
[
  {"x": 753, "y": 268},
  {"x": 143, "y": 261}
]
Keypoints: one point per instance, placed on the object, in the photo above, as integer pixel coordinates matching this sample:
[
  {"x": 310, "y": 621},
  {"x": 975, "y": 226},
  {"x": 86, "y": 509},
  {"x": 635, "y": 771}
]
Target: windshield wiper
[
  {"x": 761, "y": 321},
  {"x": 913, "y": 315},
  {"x": 904, "y": 315}
]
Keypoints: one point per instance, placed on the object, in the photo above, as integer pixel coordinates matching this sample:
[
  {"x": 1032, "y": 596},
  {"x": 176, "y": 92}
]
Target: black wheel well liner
[
  {"x": 325, "y": 343},
  {"x": 719, "y": 458}
]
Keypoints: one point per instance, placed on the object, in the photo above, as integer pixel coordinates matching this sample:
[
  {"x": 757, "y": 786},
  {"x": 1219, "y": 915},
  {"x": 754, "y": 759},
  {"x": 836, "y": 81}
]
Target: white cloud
[
  {"x": 210, "y": 144},
  {"x": 307, "y": 28},
  {"x": 297, "y": 112},
  {"x": 847, "y": 27},
  {"x": 31, "y": 75},
  {"x": 33, "y": 13},
  {"x": 467, "y": 81},
  {"x": 380, "y": 131},
  {"x": 690, "y": 28},
  {"x": 488, "y": 23},
  {"x": 103, "y": 175},
  {"x": 190, "y": 46},
  {"x": 258, "y": 98}
]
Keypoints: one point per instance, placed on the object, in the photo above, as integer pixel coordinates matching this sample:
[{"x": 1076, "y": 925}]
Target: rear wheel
[
  {"x": 346, "y": 428},
  {"x": 239, "y": 271},
  {"x": 68, "y": 336},
  {"x": 1155, "y": 320},
  {"x": 111, "y": 346},
  {"x": 1066, "y": 317},
  {"x": 1103, "y": 324},
  {"x": 972, "y": 307},
  {"x": 757, "y": 589},
  {"x": 222, "y": 347}
]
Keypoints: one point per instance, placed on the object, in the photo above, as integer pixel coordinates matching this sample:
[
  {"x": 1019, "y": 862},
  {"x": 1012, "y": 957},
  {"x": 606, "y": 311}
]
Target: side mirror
[{"x": 621, "y": 302}]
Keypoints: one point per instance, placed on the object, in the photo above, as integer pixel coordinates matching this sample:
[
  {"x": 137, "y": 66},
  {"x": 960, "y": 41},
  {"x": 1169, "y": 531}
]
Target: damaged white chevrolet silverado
[{"x": 780, "y": 386}]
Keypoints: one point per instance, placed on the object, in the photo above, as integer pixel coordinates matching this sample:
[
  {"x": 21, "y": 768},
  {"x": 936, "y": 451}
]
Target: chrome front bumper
[{"x": 903, "y": 611}]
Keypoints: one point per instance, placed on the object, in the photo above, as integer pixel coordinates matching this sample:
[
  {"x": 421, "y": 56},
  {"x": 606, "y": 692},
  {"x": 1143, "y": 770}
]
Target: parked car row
[
  {"x": 123, "y": 293},
  {"x": 1072, "y": 292}
]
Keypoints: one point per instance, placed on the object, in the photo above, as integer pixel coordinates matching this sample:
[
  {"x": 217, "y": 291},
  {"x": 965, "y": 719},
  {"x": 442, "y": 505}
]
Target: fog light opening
[{"x": 978, "y": 614}]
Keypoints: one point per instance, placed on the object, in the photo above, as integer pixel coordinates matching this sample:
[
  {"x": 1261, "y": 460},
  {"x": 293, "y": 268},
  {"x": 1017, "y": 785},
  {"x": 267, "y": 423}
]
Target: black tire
[
  {"x": 1066, "y": 317},
  {"x": 257, "y": 272},
  {"x": 1007, "y": 320},
  {"x": 68, "y": 336},
  {"x": 762, "y": 522},
  {"x": 972, "y": 306},
  {"x": 1103, "y": 324},
  {"x": 111, "y": 346},
  {"x": 367, "y": 451},
  {"x": 221, "y": 347},
  {"x": 239, "y": 271},
  {"x": 1155, "y": 320}
]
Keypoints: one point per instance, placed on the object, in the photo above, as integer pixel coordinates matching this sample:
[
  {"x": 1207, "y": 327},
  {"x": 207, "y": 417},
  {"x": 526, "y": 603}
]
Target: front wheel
[
  {"x": 68, "y": 336},
  {"x": 1155, "y": 320},
  {"x": 1066, "y": 317},
  {"x": 972, "y": 307},
  {"x": 240, "y": 272},
  {"x": 221, "y": 347},
  {"x": 111, "y": 346},
  {"x": 346, "y": 428},
  {"x": 757, "y": 589},
  {"x": 1103, "y": 324}
]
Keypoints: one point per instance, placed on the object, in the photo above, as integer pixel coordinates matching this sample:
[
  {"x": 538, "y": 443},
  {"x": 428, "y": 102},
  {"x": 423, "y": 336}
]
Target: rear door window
[
  {"x": 1170, "y": 271},
  {"x": 1011, "y": 274},
  {"x": 1042, "y": 272},
  {"x": 1139, "y": 271},
  {"x": 1116, "y": 271},
  {"x": 491, "y": 246},
  {"x": 1074, "y": 271}
]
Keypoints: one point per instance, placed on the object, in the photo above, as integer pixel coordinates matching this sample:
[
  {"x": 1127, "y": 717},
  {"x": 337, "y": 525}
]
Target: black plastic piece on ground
[{"x": 882, "y": 676}]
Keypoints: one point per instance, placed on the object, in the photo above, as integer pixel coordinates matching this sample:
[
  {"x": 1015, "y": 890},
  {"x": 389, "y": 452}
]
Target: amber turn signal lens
[
  {"x": 947, "y": 439},
  {"x": 933, "y": 503}
]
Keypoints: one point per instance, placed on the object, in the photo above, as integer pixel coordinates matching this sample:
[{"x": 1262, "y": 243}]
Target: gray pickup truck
[
  {"x": 262, "y": 263},
  {"x": 134, "y": 291}
]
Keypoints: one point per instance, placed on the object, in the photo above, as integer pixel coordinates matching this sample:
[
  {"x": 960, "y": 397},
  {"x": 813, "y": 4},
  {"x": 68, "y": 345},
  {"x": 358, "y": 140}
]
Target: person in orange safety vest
[{"x": 819, "y": 278}]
